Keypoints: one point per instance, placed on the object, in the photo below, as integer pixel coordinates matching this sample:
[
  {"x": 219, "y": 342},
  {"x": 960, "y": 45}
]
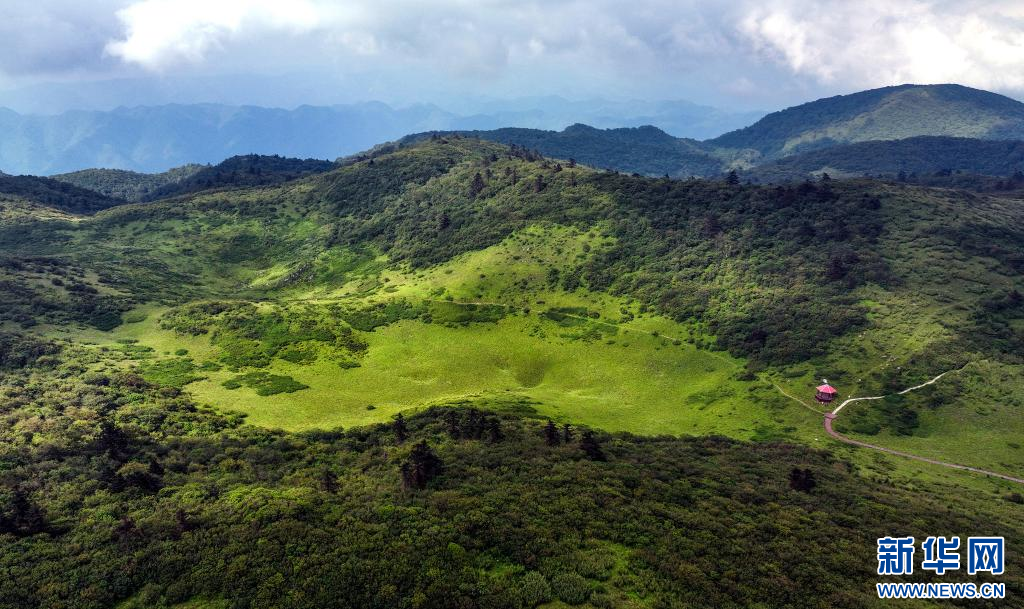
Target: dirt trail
[
  {"x": 907, "y": 390},
  {"x": 831, "y": 416}
]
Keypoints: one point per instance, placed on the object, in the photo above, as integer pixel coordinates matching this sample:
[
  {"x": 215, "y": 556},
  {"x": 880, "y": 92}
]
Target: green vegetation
[
  {"x": 644, "y": 150},
  {"x": 167, "y": 504},
  {"x": 239, "y": 172},
  {"x": 176, "y": 372},
  {"x": 889, "y": 113},
  {"x": 265, "y": 384},
  {"x": 911, "y": 159},
  {"x": 127, "y": 185},
  {"x": 55, "y": 193},
  {"x": 256, "y": 397}
]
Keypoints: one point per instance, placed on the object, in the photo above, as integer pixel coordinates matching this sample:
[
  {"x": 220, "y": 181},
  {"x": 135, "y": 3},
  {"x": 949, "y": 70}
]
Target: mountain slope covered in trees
[
  {"x": 926, "y": 155},
  {"x": 645, "y": 150},
  {"x": 128, "y": 185},
  {"x": 55, "y": 193},
  {"x": 889, "y": 113},
  {"x": 240, "y": 172},
  {"x": 201, "y": 396}
]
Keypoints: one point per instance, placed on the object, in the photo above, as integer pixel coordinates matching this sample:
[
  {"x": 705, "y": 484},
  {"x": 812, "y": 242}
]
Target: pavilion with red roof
[{"x": 825, "y": 392}]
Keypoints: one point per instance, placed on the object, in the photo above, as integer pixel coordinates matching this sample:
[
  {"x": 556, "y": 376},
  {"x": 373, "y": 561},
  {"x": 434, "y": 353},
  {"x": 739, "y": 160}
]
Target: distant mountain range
[
  {"x": 153, "y": 139},
  {"x": 912, "y": 128},
  {"x": 909, "y": 128}
]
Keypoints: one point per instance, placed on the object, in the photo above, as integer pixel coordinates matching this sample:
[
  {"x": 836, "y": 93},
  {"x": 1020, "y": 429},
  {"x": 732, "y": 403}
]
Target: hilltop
[
  {"x": 889, "y": 113},
  {"x": 240, "y": 172},
  {"x": 646, "y": 150},
  {"x": 127, "y": 185}
]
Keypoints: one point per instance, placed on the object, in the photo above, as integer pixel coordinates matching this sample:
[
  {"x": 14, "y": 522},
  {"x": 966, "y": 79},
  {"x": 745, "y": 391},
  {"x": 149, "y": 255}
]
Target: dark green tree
[
  {"x": 401, "y": 431},
  {"x": 422, "y": 466},
  {"x": 477, "y": 186},
  {"x": 494, "y": 430},
  {"x": 590, "y": 447},
  {"x": 551, "y": 434},
  {"x": 802, "y": 480}
]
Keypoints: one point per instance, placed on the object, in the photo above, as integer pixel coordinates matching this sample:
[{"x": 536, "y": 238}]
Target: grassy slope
[{"x": 971, "y": 417}]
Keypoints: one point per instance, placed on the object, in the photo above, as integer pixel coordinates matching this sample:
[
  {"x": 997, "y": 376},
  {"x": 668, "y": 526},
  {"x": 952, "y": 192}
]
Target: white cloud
[
  {"x": 163, "y": 32},
  {"x": 754, "y": 49},
  {"x": 883, "y": 42}
]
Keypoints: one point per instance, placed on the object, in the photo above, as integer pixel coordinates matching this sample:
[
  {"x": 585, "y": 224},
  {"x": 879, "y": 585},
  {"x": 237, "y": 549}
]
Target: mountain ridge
[{"x": 885, "y": 113}]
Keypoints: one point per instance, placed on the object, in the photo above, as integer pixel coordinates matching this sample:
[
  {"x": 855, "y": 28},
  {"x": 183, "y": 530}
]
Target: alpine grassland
[{"x": 454, "y": 373}]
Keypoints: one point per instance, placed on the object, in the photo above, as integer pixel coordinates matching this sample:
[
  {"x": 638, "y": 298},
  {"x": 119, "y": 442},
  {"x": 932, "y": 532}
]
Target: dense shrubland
[
  {"x": 127, "y": 185},
  {"x": 240, "y": 172},
  {"x": 130, "y": 491}
]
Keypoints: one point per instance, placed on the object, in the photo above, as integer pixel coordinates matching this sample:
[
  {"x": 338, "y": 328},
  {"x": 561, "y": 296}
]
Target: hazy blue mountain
[
  {"x": 153, "y": 139},
  {"x": 677, "y": 117}
]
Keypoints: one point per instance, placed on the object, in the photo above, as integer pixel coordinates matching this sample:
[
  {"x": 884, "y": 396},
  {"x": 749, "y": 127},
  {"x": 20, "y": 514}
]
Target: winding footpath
[{"x": 831, "y": 416}]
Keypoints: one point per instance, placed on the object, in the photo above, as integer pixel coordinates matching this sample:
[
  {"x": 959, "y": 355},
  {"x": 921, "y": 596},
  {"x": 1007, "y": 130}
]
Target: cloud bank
[
  {"x": 882, "y": 42},
  {"x": 747, "y": 48}
]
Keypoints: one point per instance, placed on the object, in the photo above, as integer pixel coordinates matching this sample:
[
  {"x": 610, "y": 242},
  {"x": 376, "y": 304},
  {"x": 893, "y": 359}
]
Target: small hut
[{"x": 825, "y": 393}]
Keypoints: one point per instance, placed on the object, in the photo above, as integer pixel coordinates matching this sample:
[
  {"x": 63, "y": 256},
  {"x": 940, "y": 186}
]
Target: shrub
[
  {"x": 533, "y": 590},
  {"x": 571, "y": 588}
]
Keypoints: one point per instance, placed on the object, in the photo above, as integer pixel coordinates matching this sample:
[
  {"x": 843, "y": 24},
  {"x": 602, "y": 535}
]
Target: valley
[
  {"x": 523, "y": 323},
  {"x": 328, "y": 304},
  {"x": 286, "y": 341}
]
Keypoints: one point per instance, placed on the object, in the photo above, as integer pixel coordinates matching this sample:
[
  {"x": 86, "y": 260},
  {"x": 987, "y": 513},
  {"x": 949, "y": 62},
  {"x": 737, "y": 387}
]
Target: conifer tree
[
  {"x": 551, "y": 434},
  {"x": 401, "y": 431},
  {"x": 422, "y": 466},
  {"x": 589, "y": 445}
]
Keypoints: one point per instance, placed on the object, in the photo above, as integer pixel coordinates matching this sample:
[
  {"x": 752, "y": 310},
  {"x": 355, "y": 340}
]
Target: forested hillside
[
  {"x": 239, "y": 172},
  {"x": 889, "y": 113},
  {"x": 128, "y": 185},
  {"x": 920, "y": 156},
  {"x": 454, "y": 373},
  {"x": 56, "y": 194},
  {"x": 645, "y": 150}
]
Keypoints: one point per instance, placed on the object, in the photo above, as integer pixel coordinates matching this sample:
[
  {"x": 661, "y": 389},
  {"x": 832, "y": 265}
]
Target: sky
[{"x": 57, "y": 55}]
